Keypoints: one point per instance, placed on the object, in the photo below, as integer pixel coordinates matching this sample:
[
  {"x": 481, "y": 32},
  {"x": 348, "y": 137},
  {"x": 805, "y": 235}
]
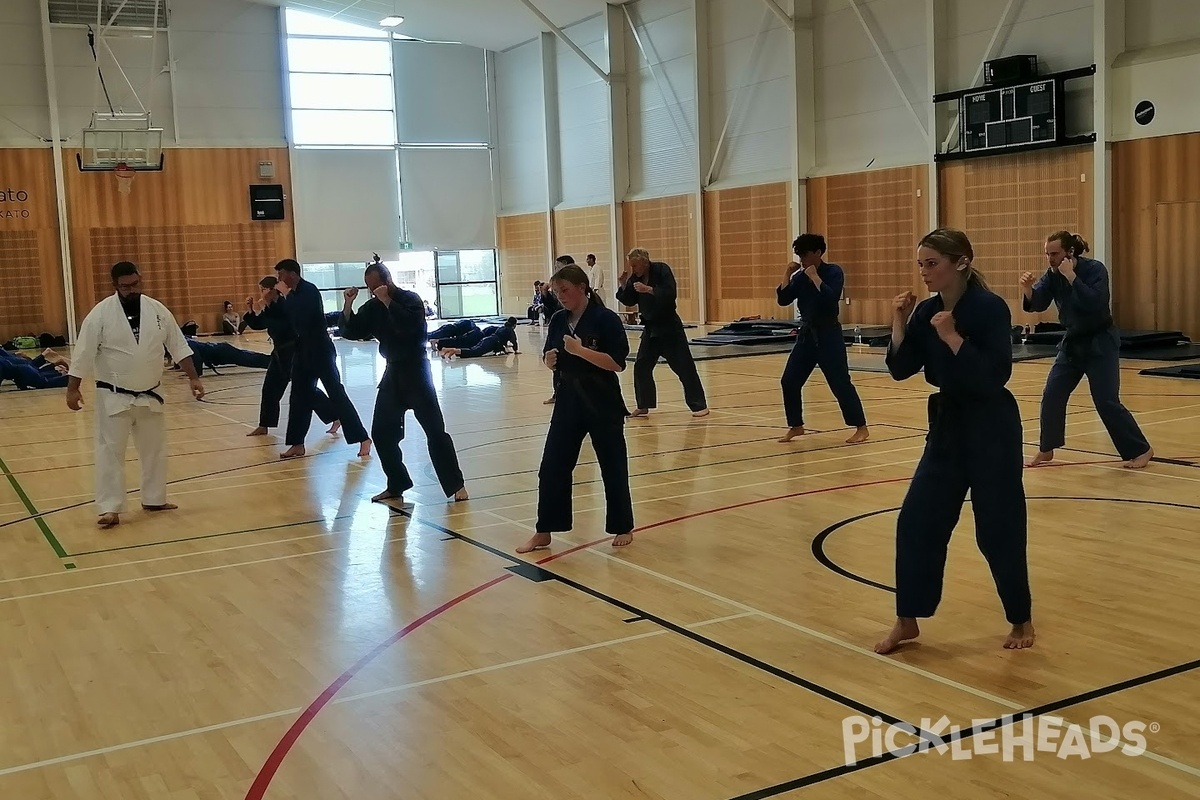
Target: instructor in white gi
[{"x": 121, "y": 346}]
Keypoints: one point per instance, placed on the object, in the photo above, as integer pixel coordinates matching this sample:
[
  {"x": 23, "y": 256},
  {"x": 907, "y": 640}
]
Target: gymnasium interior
[{"x": 281, "y": 636}]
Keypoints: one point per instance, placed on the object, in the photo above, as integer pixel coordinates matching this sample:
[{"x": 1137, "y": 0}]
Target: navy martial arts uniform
[
  {"x": 35, "y": 373},
  {"x": 974, "y": 443},
  {"x": 274, "y": 320},
  {"x": 1090, "y": 347},
  {"x": 458, "y": 328},
  {"x": 492, "y": 340},
  {"x": 589, "y": 403},
  {"x": 315, "y": 360},
  {"x": 663, "y": 336},
  {"x": 407, "y": 384},
  {"x": 818, "y": 343},
  {"x": 220, "y": 354}
]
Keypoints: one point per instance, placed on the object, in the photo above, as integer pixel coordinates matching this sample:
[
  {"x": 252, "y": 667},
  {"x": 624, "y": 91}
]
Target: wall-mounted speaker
[{"x": 266, "y": 201}]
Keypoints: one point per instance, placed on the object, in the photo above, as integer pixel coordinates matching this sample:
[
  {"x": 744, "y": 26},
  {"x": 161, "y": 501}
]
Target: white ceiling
[{"x": 491, "y": 24}]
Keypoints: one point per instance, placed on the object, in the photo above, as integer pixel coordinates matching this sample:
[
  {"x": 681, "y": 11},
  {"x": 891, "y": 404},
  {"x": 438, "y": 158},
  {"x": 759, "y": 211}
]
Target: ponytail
[
  {"x": 975, "y": 277},
  {"x": 1073, "y": 243}
]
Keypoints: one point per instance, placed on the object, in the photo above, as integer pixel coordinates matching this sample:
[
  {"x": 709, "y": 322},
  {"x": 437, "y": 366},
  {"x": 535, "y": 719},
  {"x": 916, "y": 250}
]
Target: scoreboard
[{"x": 1011, "y": 116}]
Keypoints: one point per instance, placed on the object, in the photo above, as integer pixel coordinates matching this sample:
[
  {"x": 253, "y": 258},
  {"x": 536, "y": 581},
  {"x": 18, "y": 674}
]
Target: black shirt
[
  {"x": 582, "y": 384},
  {"x": 133, "y": 313},
  {"x": 816, "y": 306},
  {"x": 657, "y": 308},
  {"x": 306, "y": 312},
  {"x": 275, "y": 321},
  {"x": 399, "y": 327}
]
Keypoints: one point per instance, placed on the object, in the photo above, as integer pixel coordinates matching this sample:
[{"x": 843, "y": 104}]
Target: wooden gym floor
[{"x": 280, "y": 636}]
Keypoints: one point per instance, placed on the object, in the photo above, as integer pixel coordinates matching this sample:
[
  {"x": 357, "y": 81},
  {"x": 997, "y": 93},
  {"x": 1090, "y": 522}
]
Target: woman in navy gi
[
  {"x": 586, "y": 346},
  {"x": 962, "y": 338}
]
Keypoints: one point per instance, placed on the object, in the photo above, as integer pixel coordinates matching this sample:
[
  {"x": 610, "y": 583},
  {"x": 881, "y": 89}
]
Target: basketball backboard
[{"x": 120, "y": 138}]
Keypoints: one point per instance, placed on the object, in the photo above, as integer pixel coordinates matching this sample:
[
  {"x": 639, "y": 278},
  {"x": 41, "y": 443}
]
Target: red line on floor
[{"x": 262, "y": 781}]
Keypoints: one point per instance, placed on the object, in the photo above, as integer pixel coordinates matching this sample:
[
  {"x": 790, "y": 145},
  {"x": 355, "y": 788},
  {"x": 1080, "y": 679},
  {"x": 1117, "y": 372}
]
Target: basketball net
[{"x": 124, "y": 178}]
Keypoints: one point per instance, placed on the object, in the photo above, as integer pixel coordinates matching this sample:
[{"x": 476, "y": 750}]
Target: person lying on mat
[{"x": 492, "y": 344}]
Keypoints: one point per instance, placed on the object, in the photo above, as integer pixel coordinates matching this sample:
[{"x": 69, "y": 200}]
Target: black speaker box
[{"x": 266, "y": 201}]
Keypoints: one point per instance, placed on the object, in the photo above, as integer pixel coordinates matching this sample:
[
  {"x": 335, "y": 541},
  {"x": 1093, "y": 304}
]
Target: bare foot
[
  {"x": 387, "y": 494},
  {"x": 792, "y": 433},
  {"x": 905, "y": 630},
  {"x": 704, "y": 412},
  {"x": 295, "y": 451},
  {"x": 364, "y": 449},
  {"x": 622, "y": 540},
  {"x": 335, "y": 427},
  {"x": 540, "y": 541},
  {"x": 550, "y": 401},
  {"x": 163, "y": 507},
  {"x": 860, "y": 436},
  {"x": 1042, "y": 458},
  {"x": 641, "y": 412},
  {"x": 259, "y": 431},
  {"x": 108, "y": 520},
  {"x": 1020, "y": 637},
  {"x": 461, "y": 495},
  {"x": 1141, "y": 461}
]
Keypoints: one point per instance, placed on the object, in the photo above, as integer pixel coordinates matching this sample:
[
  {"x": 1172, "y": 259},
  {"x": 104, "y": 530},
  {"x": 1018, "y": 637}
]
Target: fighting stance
[
  {"x": 650, "y": 285},
  {"x": 587, "y": 346},
  {"x": 1078, "y": 286},
  {"x": 268, "y": 314},
  {"x": 396, "y": 318},
  {"x": 962, "y": 337},
  {"x": 315, "y": 360},
  {"x": 816, "y": 289},
  {"x": 121, "y": 345}
]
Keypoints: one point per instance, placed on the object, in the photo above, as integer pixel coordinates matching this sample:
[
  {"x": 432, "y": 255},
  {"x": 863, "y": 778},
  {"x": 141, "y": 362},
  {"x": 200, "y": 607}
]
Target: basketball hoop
[{"x": 124, "y": 174}]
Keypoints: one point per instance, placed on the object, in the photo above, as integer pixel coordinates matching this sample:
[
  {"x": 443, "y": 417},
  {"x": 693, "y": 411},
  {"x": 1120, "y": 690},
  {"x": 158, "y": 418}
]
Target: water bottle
[{"x": 858, "y": 334}]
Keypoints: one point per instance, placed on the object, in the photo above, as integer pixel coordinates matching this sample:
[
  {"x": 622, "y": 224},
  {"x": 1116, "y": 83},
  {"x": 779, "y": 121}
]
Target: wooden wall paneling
[
  {"x": 666, "y": 227},
  {"x": 1177, "y": 284},
  {"x": 32, "y": 297},
  {"x": 579, "y": 231},
  {"x": 747, "y": 246},
  {"x": 1150, "y": 241},
  {"x": 871, "y": 222},
  {"x": 522, "y": 241},
  {"x": 188, "y": 227}
]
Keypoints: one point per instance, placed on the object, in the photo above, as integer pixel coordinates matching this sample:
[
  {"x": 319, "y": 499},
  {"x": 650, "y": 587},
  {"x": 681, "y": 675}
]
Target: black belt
[{"x": 131, "y": 392}]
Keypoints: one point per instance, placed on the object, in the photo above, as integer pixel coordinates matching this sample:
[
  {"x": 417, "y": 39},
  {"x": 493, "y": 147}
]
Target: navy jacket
[
  {"x": 582, "y": 383},
  {"x": 1083, "y": 306},
  {"x": 400, "y": 327},
  {"x": 816, "y": 306},
  {"x": 306, "y": 312},
  {"x": 274, "y": 320},
  {"x": 983, "y": 364},
  {"x": 657, "y": 308}
]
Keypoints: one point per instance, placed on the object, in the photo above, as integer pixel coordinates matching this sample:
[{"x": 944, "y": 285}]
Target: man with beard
[{"x": 121, "y": 345}]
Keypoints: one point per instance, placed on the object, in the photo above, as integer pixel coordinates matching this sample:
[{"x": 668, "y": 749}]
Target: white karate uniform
[
  {"x": 108, "y": 352},
  {"x": 595, "y": 277}
]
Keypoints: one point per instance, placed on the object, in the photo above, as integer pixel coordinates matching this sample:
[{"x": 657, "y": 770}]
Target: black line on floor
[{"x": 712, "y": 644}]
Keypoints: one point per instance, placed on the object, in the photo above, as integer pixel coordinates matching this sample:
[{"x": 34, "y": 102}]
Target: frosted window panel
[
  {"x": 366, "y": 128},
  {"x": 333, "y": 55},
  {"x": 367, "y": 92},
  {"x": 300, "y": 23},
  {"x": 477, "y": 265}
]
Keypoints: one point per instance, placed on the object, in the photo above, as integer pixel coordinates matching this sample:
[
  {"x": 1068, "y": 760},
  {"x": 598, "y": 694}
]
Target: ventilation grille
[{"x": 135, "y": 14}]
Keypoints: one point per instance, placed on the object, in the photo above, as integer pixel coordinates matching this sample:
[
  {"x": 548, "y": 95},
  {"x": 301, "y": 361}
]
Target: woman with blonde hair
[
  {"x": 586, "y": 346},
  {"x": 962, "y": 338}
]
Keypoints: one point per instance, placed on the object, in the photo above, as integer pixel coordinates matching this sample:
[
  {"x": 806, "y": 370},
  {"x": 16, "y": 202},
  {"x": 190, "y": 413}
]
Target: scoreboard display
[{"x": 996, "y": 119}]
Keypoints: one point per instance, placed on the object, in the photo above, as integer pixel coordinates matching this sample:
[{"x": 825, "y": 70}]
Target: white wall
[
  {"x": 441, "y": 93},
  {"x": 750, "y": 89},
  {"x": 346, "y": 204},
  {"x": 584, "y": 144},
  {"x": 229, "y": 74},
  {"x": 448, "y": 199},
  {"x": 24, "y": 111},
  {"x": 1161, "y": 64},
  {"x": 861, "y": 117},
  {"x": 662, "y": 99},
  {"x": 521, "y": 145}
]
